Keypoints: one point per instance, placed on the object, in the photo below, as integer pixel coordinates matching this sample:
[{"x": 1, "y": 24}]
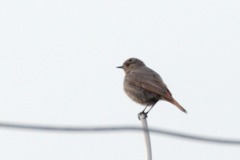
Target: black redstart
[{"x": 145, "y": 86}]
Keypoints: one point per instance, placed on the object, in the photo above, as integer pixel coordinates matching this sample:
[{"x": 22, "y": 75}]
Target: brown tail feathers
[
  {"x": 178, "y": 105},
  {"x": 168, "y": 97}
]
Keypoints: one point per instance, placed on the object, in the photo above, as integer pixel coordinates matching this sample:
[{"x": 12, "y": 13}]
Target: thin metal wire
[{"x": 79, "y": 129}]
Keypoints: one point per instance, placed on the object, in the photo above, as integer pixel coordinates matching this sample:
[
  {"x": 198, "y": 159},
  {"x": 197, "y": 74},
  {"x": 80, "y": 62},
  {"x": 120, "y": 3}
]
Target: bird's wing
[{"x": 150, "y": 81}]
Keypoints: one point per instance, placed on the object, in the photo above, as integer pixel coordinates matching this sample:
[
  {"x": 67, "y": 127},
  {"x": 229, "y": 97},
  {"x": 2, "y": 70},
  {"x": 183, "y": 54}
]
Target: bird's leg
[
  {"x": 150, "y": 108},
  {"x": 143, "y": 112},
  {"x": 144, "y": 109}
]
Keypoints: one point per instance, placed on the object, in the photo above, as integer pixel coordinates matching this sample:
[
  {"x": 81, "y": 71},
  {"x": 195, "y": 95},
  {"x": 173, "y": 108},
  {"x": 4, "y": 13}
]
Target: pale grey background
[{"x": 57, "y": 67}]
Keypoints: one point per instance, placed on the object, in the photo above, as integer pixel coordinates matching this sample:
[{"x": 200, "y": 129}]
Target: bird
[{"x": 144, "y": 86}]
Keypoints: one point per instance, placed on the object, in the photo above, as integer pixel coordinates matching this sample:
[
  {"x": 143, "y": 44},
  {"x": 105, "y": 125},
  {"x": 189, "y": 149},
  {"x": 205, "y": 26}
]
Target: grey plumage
[{"x": 145, "y": 86}]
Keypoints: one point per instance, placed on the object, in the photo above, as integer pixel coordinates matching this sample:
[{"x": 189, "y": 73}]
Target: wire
[{"x": 47, "y": 128}]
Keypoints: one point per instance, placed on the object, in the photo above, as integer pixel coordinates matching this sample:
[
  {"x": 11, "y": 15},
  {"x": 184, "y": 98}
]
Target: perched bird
[{"x": 145, "y": 86}]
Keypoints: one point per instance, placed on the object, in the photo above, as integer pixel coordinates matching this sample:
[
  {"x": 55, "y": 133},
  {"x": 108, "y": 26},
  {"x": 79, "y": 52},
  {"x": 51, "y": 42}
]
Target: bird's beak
[{"x": 120, "y": 67}]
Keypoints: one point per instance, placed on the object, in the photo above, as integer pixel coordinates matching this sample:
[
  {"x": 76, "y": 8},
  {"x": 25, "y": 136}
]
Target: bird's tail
[
  {"x": 173, "y": 101},
  {"x": 168, "y": 97}
]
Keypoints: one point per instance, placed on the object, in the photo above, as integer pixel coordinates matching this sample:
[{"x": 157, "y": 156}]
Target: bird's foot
[{"x": 142, "y": 115}]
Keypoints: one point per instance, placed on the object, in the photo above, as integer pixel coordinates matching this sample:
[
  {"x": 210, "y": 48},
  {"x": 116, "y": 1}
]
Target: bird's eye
[{"x": 130, "y": 60}]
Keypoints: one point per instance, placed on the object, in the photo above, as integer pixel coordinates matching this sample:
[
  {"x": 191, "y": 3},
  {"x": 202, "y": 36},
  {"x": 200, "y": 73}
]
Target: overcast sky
[{"x": 58, "y": 63}]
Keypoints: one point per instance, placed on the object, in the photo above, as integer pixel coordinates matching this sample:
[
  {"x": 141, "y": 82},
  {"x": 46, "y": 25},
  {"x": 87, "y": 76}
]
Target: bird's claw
[{"x": 142, "y": 113}]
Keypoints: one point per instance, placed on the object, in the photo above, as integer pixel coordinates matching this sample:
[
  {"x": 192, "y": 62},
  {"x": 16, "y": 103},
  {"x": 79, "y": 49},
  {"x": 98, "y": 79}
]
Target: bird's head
[{"x": 131, "y": 64}]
